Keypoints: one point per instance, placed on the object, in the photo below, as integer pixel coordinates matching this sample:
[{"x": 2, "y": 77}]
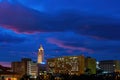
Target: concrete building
[
  {"x": 72, "y": 65},
  {"x": 32, "y": 69},
  {"x": 40, "y": 55},
  {"x": 110, "y": 66},
  {"x": 90, "y": 65},
  {"x": 25, "y": 66},
  {"x": 20, "y": 67},
  {"x": 69, "y": 64}
]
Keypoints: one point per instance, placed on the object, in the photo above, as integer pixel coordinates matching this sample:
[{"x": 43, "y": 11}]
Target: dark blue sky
[{"x": 63, "y": 27}]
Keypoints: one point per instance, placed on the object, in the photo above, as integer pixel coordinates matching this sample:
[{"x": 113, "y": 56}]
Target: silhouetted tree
[
  {"x": 88, "y": 71},
  {"x": 99, "y": 71}
]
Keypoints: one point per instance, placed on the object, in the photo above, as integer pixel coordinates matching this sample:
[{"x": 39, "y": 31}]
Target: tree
[
  {"x": 99, "y": 71},
  {"x": 88, "y": 71}
]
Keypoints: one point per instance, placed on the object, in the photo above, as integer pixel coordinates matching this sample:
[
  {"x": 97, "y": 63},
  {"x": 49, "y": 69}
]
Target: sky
[{"x": 63, "y": 27}]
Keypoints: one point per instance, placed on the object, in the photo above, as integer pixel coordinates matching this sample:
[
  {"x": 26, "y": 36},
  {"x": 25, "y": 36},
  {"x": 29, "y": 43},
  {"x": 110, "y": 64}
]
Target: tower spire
[{"x": 41, "y": 48}]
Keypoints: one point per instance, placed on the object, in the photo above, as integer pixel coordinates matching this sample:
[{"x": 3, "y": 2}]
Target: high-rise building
[
  {"x": 72, "y": 65},
  {"x": 40, "y": 55},
  {"x": 110, "y": 66},
  {"x": 68, "y": 64}
]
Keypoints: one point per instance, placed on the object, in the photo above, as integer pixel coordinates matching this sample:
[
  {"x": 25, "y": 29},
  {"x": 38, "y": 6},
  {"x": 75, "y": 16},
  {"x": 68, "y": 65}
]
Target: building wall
[
  {"x": 90, "y": 64},
  {"x": 68, "y": 64},
  {"x": 117, "y": 66},
  {"x": 51, "y": 65},
  {"x": 110, "y": 65},
  {"x": 81, "y": 64},
  {"x": 20, "y": 67},
  {"x": 32, "y": 68},
  {"x": 40, "y": 56}
]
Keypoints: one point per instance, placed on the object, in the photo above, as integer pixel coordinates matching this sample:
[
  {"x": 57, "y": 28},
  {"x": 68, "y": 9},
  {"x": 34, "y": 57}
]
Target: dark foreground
[{"x": 75, "y": 77}]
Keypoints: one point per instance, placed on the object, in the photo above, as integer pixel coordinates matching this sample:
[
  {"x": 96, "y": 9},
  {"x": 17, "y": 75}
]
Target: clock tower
[{"x": 40, "y": 54}]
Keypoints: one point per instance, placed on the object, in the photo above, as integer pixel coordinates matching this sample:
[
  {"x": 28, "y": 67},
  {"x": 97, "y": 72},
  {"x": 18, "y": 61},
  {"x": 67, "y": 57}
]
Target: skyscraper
[{"x": 40, "y": 54}]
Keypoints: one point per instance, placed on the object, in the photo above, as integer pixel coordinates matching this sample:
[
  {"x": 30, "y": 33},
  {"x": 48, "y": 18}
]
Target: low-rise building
[
  {"x": 32, "y": 69},
  {"x": 6, "y": 74},
  {"x": 90, "y": 65},
  {"x": 110, "y": 66},
  {"x": 25, "y": 66}
]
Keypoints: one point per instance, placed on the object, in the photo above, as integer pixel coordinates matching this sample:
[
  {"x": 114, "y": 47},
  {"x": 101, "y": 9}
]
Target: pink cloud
[
  {"x": 9, "y": 27},
  {"x": 6, "y": 64},
  {"x": 71, "y": 48}
]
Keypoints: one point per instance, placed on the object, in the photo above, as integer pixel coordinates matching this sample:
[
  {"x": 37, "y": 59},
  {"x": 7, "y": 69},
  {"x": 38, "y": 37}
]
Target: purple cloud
[
  {"x": 6, "y": 64},
  {"x": 25, "y": 20},
  {"x": 69, "y": 47}
]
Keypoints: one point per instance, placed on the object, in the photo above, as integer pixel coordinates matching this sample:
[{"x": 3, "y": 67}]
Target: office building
[
  {"x": 32, "y": 69},
  {"x": 20, "y": 67},
  {"x": 68, "y": 64}
]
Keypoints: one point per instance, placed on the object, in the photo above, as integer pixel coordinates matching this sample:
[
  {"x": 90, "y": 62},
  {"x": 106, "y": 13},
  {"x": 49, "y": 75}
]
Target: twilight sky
[{"x": 63, "y": 27}]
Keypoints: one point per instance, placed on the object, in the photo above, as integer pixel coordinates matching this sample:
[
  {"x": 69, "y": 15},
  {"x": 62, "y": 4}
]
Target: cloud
[
  {"x": 63, "y": 44},
  {"x": 7, "y": 36},
  {"x": 25, "y": 20},
  {"x": 95, "y": 28},
  {"x": 72, "y": 42},
  {"x": 6, "y": 64},
  {"x": 91, "y": 6},
  {"x": 101, "y": 31}
]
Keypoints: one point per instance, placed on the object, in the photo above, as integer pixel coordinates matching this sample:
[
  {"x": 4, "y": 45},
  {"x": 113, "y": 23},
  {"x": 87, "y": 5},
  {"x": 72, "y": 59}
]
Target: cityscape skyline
[{"x": 63, "y": 27}]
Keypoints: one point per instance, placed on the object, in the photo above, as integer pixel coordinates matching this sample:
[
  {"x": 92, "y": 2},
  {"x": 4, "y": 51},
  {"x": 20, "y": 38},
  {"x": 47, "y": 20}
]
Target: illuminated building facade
[
  {"x": 32, "y": 69},
  {"x": 69, "y": 64},
  {"x": 40, "y": 55},
  {"x": 20, "y": 67},
  {"x": 90, "y": 65},
  {"x": 109, "y": 66}
]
